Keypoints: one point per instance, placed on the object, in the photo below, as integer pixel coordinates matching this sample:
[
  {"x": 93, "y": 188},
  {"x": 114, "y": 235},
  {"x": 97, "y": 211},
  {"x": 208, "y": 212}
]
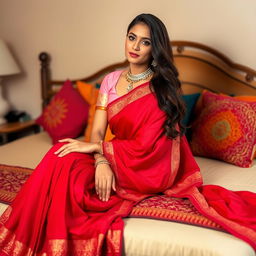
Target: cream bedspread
[{"x": 146, "y": 237}]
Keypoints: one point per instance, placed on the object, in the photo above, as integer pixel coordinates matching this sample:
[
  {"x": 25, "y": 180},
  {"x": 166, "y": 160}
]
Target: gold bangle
[
  {"x": 100, "y": 108},
  {"x": 101, "y": 162}
]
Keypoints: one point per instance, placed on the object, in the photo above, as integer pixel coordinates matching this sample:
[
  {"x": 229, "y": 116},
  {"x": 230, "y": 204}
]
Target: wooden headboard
[{"x": 200, "y": 67}]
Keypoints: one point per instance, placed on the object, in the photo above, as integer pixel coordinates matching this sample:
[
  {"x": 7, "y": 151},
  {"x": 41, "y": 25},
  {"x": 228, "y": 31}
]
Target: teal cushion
[
  {"x": 190, "y": 102},
  {"x": 97, "y": 86}
]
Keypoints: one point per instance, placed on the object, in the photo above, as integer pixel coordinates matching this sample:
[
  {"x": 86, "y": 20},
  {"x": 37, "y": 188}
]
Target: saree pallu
[{"x": 58, "y": 212}]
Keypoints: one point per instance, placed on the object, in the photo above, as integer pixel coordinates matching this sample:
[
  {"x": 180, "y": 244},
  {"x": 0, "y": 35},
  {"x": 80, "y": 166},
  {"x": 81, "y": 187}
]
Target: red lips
[{"x": 134, "y": 55}]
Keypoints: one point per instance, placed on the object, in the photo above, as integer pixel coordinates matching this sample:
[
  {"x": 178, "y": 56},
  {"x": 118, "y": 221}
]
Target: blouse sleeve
[{"x": 102, "y": 100}]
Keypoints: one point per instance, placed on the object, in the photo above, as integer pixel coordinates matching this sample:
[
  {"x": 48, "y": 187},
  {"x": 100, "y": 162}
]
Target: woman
[{"x": 74, "y": 201}]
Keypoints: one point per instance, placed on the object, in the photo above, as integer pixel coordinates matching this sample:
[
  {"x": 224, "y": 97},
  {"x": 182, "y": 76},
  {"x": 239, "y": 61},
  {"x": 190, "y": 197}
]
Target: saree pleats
[{"x": 58, "y": 213}]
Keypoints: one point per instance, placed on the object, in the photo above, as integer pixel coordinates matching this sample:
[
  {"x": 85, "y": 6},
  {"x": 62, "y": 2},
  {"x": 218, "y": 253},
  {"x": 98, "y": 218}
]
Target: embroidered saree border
[
  {"x": 175, "y": 160},
  {"x": 60, "y": 247},
  {"x": 166, "y": 214},
  {"x": 185, "y": 184},
  {"x": 116, "y": 106}
]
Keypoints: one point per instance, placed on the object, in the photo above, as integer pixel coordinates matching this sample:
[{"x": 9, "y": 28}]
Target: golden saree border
[
  {"x": 171, "y": 215},
  {"x": 113, "y": 239},
  {"x": 116, "y": 106},
  {"x": 175, "y": 160},
  {"x": 12, "y": 246},
  {"x": 86, "y": 247},
  {"x": 185, "y": 184},
  {"x": 61, "y": 247}
]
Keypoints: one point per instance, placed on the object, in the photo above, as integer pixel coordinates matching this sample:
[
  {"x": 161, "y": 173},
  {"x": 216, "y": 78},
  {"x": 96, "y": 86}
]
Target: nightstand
[{"x": 12, "y": 131}]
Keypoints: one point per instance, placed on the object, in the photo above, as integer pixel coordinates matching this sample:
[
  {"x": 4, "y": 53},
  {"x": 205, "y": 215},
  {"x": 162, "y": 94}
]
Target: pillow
[
  {"x": 66, "y": 115},
  {"x": 246, "y": 98},
  {"x": 90, "y": 93},
  {"x": 190, "y": 101},
  {"x": 225, "y": 129}
]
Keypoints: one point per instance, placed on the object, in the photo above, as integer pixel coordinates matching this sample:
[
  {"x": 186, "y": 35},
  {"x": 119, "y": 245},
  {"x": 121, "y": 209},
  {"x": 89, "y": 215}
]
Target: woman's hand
[
  {"x": 104, "y": 181},
  {"x": 77, "y": 146}
]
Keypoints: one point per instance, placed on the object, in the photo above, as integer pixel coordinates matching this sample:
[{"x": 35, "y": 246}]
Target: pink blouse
[{"x": 107, "y": 92}]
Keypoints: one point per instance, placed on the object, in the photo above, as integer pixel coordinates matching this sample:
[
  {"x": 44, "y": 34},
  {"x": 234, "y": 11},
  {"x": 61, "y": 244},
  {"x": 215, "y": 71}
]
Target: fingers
[
  {"x": 104, "y": 188},
  {"x": 114, "y": 183},
  {"x": 65, "y": 149},
  {"x": 103, "y": 185},
  {"x": 108, "y": 188},
  {"x": 67, "y": 140},
  {"x": 97, "y": 185}
]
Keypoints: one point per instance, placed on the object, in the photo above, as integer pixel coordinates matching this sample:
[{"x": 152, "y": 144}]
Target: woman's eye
[
  {"x": 131, "y": 38},
  {"x": 147, "y": 43}
]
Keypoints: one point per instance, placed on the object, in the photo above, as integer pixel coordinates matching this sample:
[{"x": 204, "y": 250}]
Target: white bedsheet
[{"x": 146, "y": 237}]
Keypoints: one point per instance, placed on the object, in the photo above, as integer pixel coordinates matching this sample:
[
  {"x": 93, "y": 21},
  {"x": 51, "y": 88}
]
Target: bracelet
[
  {"x": 101, "y": 162},
  {"x": 101, "y": 108}
]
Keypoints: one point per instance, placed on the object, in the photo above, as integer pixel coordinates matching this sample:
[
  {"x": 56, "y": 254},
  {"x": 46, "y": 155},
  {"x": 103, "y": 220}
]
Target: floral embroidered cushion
[
  {"x": 67, "y": 114},
  {"x": 225, "y": 129}
]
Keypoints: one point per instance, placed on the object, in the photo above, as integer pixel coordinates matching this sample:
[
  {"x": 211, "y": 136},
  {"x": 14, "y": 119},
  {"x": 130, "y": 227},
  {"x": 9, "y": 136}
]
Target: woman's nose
[{"x": 136, "y": 46}]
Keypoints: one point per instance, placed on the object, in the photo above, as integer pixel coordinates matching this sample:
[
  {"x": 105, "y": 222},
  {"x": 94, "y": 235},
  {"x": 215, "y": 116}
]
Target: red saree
[{"x": 57, "y": 212}]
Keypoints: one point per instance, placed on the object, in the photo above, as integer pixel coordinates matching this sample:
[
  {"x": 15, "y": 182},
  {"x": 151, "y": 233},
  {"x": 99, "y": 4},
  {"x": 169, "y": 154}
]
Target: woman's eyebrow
[{"x": 142, "y": 37}]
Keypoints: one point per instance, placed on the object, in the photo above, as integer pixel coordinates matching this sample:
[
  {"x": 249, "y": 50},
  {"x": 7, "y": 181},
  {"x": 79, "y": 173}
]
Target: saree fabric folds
[{"x": 58, "y": 213}]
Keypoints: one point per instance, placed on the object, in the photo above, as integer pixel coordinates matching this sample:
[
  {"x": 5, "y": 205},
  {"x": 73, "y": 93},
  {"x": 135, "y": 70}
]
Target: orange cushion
[
  {"x": 90, "y": 94},
  {"x": 246, "y": 98}
]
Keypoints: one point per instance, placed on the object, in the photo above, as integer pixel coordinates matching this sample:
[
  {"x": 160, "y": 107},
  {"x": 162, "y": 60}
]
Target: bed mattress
[{"x": 146, "y": 237}]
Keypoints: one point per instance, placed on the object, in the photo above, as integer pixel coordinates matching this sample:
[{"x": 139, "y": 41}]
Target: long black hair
[{"x": 165, "y": 82}]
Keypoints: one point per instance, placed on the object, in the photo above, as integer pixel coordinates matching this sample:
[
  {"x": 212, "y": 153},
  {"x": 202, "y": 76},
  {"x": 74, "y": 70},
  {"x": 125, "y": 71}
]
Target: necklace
[{"x": 131, "y": 79}]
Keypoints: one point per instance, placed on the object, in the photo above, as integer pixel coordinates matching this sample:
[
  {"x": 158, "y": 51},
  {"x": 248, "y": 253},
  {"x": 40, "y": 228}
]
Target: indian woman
[{"x": 74, "y": 201}]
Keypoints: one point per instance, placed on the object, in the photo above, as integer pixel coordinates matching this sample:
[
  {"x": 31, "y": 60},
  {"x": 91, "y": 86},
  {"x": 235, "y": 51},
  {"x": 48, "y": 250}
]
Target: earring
[{"x": 153, "y": 63}]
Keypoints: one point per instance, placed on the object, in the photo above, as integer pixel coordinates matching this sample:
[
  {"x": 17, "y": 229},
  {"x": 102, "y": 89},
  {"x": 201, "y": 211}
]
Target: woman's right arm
[{"x": 104, "y": 177}]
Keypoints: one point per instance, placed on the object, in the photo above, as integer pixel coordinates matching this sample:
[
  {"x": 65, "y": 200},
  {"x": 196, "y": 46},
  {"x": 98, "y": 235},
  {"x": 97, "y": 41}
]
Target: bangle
[{"x": 101, "y": 162}]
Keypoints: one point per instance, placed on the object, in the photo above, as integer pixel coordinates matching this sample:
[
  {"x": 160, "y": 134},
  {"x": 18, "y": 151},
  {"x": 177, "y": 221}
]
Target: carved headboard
[{"x": 200, "y": 67}]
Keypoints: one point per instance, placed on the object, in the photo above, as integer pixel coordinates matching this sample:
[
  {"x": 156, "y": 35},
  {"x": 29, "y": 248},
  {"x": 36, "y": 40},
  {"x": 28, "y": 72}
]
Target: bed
[{"x": 201, "y": 68}]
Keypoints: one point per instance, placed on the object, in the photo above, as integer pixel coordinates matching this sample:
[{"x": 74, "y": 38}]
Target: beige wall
[{"x": 83, "y": 36}]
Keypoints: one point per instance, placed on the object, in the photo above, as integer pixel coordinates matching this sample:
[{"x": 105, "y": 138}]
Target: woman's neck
[{"x": 137, "y": 69}]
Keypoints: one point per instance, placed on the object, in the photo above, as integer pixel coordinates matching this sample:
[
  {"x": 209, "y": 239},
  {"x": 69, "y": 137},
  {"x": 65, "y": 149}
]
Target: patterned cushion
[
  {"x": 66, "y": 115},
  {"x": 225, "y": 129}
]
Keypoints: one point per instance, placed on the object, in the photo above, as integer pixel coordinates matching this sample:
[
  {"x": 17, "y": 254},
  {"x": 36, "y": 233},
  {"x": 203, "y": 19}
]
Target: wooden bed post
[{"x": 45, "y": 77}]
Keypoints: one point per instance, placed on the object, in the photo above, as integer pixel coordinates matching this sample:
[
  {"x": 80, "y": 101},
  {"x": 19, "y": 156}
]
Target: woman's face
[{"x": 138, "y": 45}]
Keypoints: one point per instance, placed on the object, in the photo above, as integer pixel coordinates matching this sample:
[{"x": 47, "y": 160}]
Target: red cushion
[{"x": 67, "y": 114}]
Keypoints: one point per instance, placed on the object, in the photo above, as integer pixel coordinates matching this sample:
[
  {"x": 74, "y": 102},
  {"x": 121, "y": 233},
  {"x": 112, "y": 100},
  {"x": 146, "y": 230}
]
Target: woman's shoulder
[{"x": 113, "y": 75}]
